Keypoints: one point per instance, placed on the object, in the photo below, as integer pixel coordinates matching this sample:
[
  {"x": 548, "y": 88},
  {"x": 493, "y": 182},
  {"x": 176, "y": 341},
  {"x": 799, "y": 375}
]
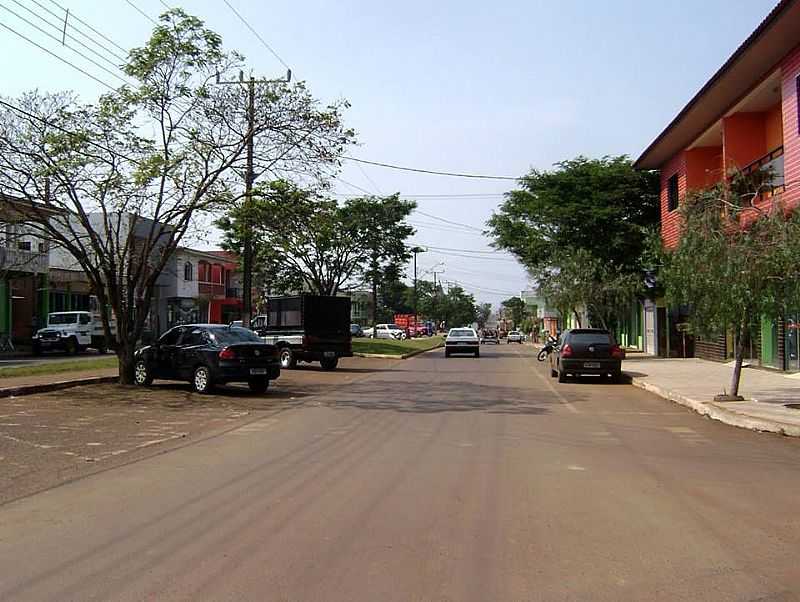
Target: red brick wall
[
  {"x": 790, "y": 69},
  {"x": 670, "y": 220}
]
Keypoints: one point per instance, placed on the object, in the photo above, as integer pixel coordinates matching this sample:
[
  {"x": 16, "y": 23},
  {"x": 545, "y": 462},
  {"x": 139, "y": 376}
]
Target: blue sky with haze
[{"x": 493, "y": 88}]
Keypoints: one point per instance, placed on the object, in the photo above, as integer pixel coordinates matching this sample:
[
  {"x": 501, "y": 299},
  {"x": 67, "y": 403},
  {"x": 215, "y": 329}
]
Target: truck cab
[{"x": 71, "y": 332}]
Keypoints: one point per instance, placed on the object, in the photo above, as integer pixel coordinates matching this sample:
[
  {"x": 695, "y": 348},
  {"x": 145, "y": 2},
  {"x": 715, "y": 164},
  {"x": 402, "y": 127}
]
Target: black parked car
[
  {"x": 586, "y": 351},
  {"x": 208, "y": 355}
]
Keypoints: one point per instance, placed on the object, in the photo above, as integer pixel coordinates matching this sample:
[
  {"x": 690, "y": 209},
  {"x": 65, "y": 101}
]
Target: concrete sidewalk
[{"x": 695, "y": 382}]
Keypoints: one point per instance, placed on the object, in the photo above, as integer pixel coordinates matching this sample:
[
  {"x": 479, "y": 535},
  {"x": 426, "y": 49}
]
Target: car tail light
[
  {"x": 617, "y": 352},
  {"x": 566, "y": 351},
  {"x": 227, "y": 354}
]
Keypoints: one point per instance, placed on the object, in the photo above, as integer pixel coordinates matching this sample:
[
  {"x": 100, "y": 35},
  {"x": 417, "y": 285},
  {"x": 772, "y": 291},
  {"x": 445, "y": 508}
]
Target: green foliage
[
  {"x": 455, "y": 307},
  {"x": 516, "y": 308},
  {"x": 583, "y": 282},
  {"x": 733, "y": 267},
  {"x": 483, "y": 313},
  {"x": 599, "y": 206},
  {"x": 304, "y": 242}
]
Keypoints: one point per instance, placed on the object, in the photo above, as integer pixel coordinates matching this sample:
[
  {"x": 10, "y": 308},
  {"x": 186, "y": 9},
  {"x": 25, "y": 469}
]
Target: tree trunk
[
  {"x": 374, "y": 309},
  {"x": 127, "y": 361},
  {"x": 577, "y": 317},
  {"x": 739, "y": 359}
]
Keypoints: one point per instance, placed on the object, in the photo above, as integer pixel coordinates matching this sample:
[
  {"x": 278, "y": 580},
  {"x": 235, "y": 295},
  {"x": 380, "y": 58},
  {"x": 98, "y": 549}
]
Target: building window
[
  {"x": 24, "y": 245},
  {"x": 188, "y": 271},
  {"x": 672, "y": 193},
  {"x": 42, "y": 247}
]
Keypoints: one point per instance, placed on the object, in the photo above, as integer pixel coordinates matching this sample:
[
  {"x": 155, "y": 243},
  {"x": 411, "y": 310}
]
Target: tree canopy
[{"x": 601, "y": 206}]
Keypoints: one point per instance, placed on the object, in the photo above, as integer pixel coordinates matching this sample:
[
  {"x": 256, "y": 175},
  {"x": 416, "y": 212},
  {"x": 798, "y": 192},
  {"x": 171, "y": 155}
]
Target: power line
[
  {"x": 447, "y": 221},
  {"x": 473, "y": 257},
  {"x": 431, "y": 171},
  {"x": 485, "y": 195},
  {"x": 445, "y": 228},
  {"x": 78, "y": 52},
  {"x": 101, "y": 34},
  {"x": 68, "y": 17},
  {"x": 141, "y": 12},
  {"x": 60, "y": 58},
  {"x": 255, "y": 33},
  {"x": 465, "y": 250}
]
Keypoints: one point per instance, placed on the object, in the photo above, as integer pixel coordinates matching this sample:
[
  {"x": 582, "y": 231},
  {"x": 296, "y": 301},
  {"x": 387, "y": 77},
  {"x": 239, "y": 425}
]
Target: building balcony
[
  {"x": 18, "y": 260},
  {"x": 233, "y": 293},
  {"x": 771, "y": 168},
  {"x": 211, "y": 289}
]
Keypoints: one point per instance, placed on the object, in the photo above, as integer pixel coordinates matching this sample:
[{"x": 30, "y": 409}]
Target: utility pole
[
  {"x": 435, "y": 294},
  {"x": 416, "y": 250},
  {"x": 249, "y": 178}
]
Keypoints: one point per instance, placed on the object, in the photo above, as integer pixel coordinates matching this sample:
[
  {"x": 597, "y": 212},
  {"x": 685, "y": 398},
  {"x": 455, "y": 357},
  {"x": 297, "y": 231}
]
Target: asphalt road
[{"x": 430, "y": 479}]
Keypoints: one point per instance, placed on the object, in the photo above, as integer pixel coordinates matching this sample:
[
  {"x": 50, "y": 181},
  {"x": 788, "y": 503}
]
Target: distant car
[
  {"x": 586, "y": 351},
  {"x": 356, "y": 330},
  {"x": 207, "y": 355},
  {"x": 489, "y": 336},
  {"x": 515, "y": 336},
  {"x": 386, "y": 331},
  {"x": 462, "y": 340}
]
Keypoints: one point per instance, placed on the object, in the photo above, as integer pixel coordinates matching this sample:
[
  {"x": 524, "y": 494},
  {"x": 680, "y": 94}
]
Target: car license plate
[
  {"x": 591, "y": 365},
  {"x": 329, "y": 354},
  {"x": 258, "y": 370}
]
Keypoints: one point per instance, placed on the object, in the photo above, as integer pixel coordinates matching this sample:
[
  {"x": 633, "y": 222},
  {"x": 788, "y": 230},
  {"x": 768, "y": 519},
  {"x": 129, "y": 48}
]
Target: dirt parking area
[{"x": 51, "y": 438}]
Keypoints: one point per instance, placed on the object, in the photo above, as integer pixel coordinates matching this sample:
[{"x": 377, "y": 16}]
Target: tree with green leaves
[
  {"x": 120, "y": 184},
  {"x": 601, "y": 206},
  {"x": 582, "y": 284},
  {"x": 384, "y": 237},
  {"x": 516, "y": 309},
  {"x": 483, "y": 313},
  {"x": 734, "y": 264},
  {"x": 301, "y": 241}
]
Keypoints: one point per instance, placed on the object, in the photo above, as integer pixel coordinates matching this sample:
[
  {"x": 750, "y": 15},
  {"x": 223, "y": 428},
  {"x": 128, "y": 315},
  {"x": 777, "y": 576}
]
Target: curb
[
  {"x": 54, "y": 386},
  {"x": 716, "y": 412}
]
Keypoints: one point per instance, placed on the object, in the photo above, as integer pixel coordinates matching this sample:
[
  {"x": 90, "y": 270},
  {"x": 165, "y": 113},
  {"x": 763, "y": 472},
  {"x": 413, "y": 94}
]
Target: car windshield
[
  {"x": 62, "y": 319},
  {"x": 514, "y": 333},
  {"x": 461, "y": 332},
  {"x": 393, "y": 327},
  {"x": 229, "y": 336}
]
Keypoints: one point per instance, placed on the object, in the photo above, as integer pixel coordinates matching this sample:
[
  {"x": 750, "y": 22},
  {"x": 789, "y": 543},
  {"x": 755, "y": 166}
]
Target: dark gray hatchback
[{"x": 587, "y": 351}]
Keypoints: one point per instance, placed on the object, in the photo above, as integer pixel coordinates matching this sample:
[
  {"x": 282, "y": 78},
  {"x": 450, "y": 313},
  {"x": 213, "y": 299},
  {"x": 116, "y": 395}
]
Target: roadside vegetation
[
  {"x": 100, "y": 363},
  {"x": 398, "y": 348}
]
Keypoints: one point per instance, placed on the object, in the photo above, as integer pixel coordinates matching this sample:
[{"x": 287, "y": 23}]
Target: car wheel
[
  {"x": 201, "y": 380},
  {"x": 329, "y": 363},
  {"x": 102, "y": 350},
  {"x": 447, "y": 354},
  {"x": 616, "y": 377},
  {"x": 258, "y": 385},
  {"x": 141, "y": 374},
  {"x": 477, "y": 354},
  {"x": 553, "y": 372},
  {"x": 562, "y": 376},
  {"x": 288, "y": 361},
  {"x": 37, "y": 350}
]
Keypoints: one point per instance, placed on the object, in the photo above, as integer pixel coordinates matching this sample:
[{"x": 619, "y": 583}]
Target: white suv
[{"x": 515, "y": 336}]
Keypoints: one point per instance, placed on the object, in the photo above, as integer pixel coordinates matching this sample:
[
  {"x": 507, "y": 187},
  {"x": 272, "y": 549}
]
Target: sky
[{"x": 457, "y": 85}]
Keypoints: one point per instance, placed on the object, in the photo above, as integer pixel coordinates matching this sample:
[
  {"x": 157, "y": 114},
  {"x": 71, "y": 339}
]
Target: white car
[
  {"x": 386, "y": 331},
  {"x": 462, "y": 340},
  {"x": 515, "y": 336}
]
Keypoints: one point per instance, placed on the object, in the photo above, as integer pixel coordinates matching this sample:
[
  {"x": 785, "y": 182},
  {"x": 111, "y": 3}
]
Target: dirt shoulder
[{"x": 50, "y": 438}]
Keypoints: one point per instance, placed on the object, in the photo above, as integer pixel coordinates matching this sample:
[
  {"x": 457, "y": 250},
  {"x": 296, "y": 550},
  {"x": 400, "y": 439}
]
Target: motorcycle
[{"x": 547, "y": 349}]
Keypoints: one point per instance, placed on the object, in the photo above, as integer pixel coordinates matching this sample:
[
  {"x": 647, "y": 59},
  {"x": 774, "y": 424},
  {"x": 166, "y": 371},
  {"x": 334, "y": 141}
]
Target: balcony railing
[
  {"x": 17, "y": 260},
  {"x": 771, "y": 165},
  {"x": 211, "y": 289}
]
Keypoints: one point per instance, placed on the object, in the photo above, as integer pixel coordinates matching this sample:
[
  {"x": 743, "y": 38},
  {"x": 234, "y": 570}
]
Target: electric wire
[
  {"x": 141, "y": 12},
  {"x": 255, "y": 33},
  {"x": 79, "y": 20},
  {"x": 432, "y": 171}
]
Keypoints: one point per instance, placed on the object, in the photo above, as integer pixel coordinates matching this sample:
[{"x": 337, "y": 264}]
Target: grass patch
[
  {"x": 398, "y": 348},
  {"x": 57, "y": 367}
]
